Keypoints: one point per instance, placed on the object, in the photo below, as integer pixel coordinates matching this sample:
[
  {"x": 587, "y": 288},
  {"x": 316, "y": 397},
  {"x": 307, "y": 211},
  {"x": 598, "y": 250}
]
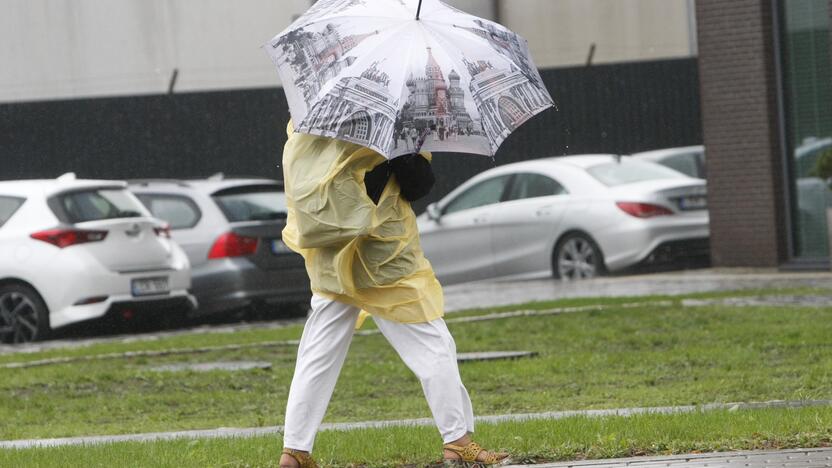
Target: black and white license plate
[
  {"x": 697, "y": 202},
  {"x": 280, "y": 248},
  {"x": 150, "y": 286}
]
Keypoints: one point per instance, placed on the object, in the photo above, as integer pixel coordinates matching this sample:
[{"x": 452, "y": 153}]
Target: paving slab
[
  {"x": 213, "y": 366},
  {"x": 807, "y": 458},
  {"x": 493, "y": 356}
]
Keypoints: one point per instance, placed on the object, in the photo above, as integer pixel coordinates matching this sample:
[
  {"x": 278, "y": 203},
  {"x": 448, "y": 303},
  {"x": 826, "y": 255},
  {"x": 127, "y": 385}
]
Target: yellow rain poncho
[{"x": 356, "y": 252}]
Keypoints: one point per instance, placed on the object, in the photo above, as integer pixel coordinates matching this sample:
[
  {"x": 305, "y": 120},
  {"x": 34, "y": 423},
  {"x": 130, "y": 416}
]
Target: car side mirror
[{"x": 434, "y": 213}]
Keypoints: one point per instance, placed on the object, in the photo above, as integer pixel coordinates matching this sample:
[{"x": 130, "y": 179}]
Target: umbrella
[{"x": 400, "y": 76}]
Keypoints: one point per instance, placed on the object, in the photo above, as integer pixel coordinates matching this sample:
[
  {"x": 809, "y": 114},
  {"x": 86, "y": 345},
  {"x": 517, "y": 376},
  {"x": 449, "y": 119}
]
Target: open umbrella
[{"x": 400, "y": 76}]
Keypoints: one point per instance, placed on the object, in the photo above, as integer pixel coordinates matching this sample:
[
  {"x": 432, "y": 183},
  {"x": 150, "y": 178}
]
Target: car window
[
  {"x": 703, "y": 164},
  {"x": 484, "y": 193},
  {"x": 179, "y": 211},
  {"x": 252, "y": 203},
  {"x": 8, "y": 207},
  {"x": 533, "y": 186},
  {"x": 99, "y": 204},
  {"x": 628, "y": 172},
  {"x": 685, "y": 163}
]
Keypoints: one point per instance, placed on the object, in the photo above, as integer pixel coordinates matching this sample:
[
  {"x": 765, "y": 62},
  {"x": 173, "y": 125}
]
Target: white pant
[{"x": 428, "y": 349}]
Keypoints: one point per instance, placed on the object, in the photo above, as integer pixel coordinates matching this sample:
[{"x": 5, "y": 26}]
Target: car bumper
[
  {"x": 634, "y": 241},
  {"x": 233, "y": 283},
  {"x": 682, "y": 252},
  {"x": 175, "y": 301}
]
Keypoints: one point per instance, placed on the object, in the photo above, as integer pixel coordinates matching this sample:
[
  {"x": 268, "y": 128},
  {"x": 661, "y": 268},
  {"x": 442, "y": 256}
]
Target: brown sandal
[
  {"x": 468, "y": 457},
  {"x": 304, "y": 459}
]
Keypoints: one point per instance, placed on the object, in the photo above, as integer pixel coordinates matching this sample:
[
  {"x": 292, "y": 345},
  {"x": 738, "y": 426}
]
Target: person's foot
[
  {"x": 296, "y": 459},
  {"x": 484, "y": 456},
  {"x": 287, "y": 461}
]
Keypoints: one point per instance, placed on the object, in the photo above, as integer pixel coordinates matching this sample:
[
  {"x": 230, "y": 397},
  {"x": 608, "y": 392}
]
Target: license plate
[
  {"x": 693, "y": 203},
  {"x": 280, "y": 248},
  {"x": 150, "y": 286}
]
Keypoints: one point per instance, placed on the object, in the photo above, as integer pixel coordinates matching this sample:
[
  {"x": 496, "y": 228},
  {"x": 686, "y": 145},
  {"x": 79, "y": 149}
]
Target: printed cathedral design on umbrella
[{"x": 370, "y": 72}]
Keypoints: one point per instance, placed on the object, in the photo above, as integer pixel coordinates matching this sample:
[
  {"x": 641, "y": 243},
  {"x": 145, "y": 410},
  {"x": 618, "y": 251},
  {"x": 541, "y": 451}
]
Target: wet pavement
[
  {"x": 806, "y": 458},
  {"x": 495, "y": 294}
]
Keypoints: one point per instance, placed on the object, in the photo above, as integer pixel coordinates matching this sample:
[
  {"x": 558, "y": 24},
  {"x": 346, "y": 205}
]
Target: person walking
[
  {"x": 414, "y": 136},
  {"x": 359, "y": 238}
]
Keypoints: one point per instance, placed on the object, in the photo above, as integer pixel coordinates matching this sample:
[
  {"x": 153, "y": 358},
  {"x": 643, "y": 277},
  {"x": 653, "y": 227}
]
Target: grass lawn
[
  {"x": 614, "y": 357},
  {"x": 529, "y": 442}
]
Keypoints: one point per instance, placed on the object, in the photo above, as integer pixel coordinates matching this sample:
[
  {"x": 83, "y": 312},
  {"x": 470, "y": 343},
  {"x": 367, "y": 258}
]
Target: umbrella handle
[{"x": 419, "y": 10}]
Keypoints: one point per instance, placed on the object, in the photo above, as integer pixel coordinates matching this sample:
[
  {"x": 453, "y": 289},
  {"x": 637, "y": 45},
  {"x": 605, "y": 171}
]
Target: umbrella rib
[{"x": 419, "y": 10}]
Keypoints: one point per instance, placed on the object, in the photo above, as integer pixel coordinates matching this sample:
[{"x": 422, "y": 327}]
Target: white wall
[
  {"x": 60, "y": 49},
  {"x": 75, "y": 48},
  {"x": 560, "y": 32}
]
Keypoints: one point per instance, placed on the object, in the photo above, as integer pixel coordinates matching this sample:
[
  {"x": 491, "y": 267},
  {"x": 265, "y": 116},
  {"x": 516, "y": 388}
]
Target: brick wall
[{"x": 739, "y": 113}]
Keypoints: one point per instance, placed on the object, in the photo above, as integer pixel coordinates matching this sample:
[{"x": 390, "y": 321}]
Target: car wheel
[
  {"x": 577, "y": 257},
  {"x": 23, "y": 315}
]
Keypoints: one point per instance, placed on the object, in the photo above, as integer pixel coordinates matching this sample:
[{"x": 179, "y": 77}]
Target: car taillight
[
  {"x": 644, "y": 210},
  {"x": 63, "y": 238},
  {"x": 163, "y": 231},
  {"x": 232, "y": 245}
]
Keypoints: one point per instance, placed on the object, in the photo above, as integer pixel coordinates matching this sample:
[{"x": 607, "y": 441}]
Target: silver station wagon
[{"x": 231, "y": 232}]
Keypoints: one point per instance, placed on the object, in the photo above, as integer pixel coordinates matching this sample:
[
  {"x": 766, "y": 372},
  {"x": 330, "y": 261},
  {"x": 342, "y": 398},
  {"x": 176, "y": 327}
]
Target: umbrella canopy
[{"x": 399, "y": 76}]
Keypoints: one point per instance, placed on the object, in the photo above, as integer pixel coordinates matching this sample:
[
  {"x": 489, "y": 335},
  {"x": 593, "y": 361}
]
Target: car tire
[
  {"x": 24, "y": 316},
  {"x": 577, "y": 257}
]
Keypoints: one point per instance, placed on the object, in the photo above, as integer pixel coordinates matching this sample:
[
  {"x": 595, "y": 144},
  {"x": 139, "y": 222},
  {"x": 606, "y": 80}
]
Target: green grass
[
  {"x": 534, "y": 441},
  {"x": 647, "y": 355},
  {"x": 643, "y": 356},
  {"x": 293, "y": 332}
]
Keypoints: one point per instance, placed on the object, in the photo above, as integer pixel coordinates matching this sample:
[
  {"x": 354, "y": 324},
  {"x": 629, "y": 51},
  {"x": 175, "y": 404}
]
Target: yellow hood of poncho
[{"x": 356, "y": 252}]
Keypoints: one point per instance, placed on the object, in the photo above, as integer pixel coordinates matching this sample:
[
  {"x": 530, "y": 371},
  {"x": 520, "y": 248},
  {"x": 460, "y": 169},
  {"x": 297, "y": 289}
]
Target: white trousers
[{"x": 428, "y": 349}]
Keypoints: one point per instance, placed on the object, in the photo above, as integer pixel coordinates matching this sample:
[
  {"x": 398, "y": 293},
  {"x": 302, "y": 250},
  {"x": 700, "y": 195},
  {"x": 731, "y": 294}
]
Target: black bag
[{"x": 413, "y": 173}]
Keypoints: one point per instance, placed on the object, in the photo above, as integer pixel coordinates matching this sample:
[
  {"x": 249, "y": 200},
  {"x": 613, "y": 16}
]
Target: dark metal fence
[{"x": 617, "y": 108}]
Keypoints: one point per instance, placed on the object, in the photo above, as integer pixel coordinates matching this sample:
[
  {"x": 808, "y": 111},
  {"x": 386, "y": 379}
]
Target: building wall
[
  {"x": 66, "y": 49},
  {"x": 58, "y": 49},
  {"x": 741, "y": 131},
  {"x": 560, "y": 32},
  {"x": 618, "y": 108}
]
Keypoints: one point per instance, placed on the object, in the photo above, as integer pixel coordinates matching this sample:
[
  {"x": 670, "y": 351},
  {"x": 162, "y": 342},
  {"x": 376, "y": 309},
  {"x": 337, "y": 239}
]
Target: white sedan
[
  {"x": 572, "y": 217},
  {"x": 74, "y": 250}
]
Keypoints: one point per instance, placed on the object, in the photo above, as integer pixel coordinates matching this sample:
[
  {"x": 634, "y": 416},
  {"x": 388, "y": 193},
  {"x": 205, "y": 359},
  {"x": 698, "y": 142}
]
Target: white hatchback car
[
  {"x": 575, "y": 217},
  {"x": 75, "y": 250}
]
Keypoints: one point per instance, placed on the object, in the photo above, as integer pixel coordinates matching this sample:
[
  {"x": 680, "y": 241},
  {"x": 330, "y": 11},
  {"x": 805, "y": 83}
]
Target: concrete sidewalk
[{"x": 805, "y": 458}]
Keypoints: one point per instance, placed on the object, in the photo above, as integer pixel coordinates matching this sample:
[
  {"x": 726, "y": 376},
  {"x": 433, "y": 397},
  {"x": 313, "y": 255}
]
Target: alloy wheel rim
[
  {"x": 576, "y": 260},
  {"x": 18, "y": 319}
]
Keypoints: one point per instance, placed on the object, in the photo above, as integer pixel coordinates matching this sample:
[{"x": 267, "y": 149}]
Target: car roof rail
[
  {"x": 220, "y": 176},
  {"x": 146, "y": 182}
]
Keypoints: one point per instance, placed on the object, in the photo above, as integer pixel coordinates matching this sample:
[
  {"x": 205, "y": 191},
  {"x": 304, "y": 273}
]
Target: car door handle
[
  {"x": 481, "y": 220},
  {"x": 545, "y": 211}
]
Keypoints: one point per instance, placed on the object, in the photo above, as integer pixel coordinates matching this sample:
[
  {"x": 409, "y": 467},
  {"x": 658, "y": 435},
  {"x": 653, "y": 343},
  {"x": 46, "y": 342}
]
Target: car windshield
[
  {"x": 252, "y": 204},
  {"x": 613, "y": 174},
  {"x": 99, "y": 204}
]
